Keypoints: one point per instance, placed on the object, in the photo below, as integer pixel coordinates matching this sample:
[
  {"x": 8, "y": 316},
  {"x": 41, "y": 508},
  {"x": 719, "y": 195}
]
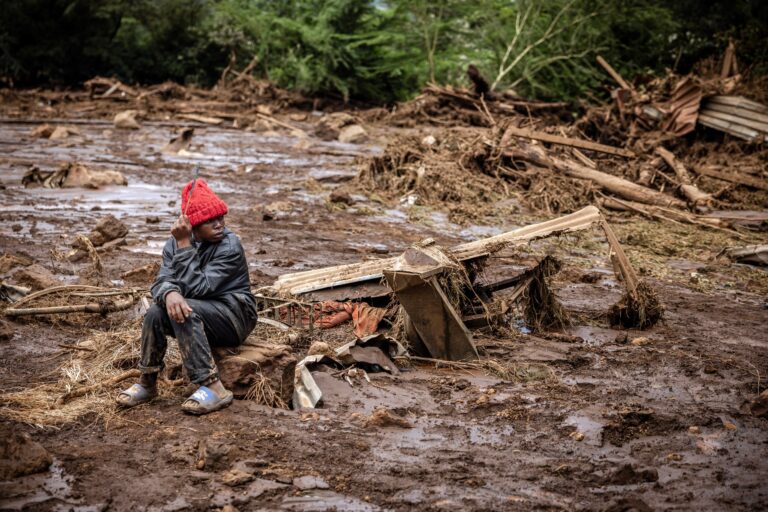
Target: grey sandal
[
  {"x": 206, "y": 400},
  {"x": 136, "y": 395}
]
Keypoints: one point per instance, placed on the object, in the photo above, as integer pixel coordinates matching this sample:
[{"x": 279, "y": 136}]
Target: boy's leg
[
  {"x": 156, "y": 326},
  {"x": 207, "y": 323}
]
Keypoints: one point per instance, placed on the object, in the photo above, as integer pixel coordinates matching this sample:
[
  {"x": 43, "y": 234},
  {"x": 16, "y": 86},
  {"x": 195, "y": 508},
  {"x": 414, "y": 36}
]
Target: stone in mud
[
  {"x": 340, "y": 197},
  {"x": 330, "y": 126},
  {"x": 20, "y": 455},
  {"x": 109, "y": 228},
  {"x": 211, "y": 453},
  {"x": 759, "y": 407},
  {"x": 383, "y": 417},
  {"x": 235, "y": 477},
  {"x": 43, "y": 131},
  {"x": 308, "y": 482},
  {"x": 126, "y": 120},
  {"x": 63, "y": 132},
  {"x": 258, "y": 364},
  {"x": 36, "y": 277},
  {"x": 142, "y": 275},
  {"x": 6, "y": 331},
  {"x": 353, "y": 134},
  {"x": 627, "y": 475},
  {"x": 629, "y": 505},
  {"x": 10, "y": 261}
]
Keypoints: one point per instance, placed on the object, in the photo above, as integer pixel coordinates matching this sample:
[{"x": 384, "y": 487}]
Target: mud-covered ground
[{"x": 620, "y": 420}]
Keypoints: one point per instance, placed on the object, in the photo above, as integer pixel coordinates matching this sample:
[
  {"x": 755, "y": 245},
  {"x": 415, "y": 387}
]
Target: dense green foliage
[{"x": 376, "y": 50}]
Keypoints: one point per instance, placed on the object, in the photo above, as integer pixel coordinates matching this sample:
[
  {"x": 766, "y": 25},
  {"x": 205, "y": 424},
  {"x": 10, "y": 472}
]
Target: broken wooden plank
[
  {"x": 733, "y": 177},
  {"x": 569, "y": 141},
  {"x": 614, "y": 74},
  {"x": 298, "y": 283},
  {"x": 435, "y": 320},
  {"x": 201, "y": 119},
  {"x": 691, "y": 191},
  {"x": 750, "y": 254}
]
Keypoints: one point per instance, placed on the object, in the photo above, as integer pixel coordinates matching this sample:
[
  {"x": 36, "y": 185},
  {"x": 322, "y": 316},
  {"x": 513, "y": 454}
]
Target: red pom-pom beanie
[{"x": 205, "y": 204}]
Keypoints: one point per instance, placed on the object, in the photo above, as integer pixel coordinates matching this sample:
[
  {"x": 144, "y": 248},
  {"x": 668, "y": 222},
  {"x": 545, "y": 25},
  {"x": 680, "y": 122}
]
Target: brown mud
[{"x": 607, "y": 420}]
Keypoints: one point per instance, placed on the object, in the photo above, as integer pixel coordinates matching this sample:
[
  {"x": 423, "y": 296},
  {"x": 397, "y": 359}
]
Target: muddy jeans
[{"x": 208, "y": 325}]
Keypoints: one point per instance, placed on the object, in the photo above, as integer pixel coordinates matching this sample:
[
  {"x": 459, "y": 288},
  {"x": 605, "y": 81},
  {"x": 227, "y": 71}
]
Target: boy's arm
[{"x": 166, "y": 281}]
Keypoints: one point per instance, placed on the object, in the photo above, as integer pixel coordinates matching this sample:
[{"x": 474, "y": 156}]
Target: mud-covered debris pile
[{"x": 425, "y": 171}]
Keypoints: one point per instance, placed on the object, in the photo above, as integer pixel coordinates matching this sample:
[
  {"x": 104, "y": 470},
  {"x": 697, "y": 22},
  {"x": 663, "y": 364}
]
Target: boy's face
[{"x": 211, "y": 231}]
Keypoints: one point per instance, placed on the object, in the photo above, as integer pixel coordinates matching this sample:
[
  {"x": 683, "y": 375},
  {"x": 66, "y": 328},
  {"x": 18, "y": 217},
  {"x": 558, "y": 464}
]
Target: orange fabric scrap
[{"x": 330, "y": 313}]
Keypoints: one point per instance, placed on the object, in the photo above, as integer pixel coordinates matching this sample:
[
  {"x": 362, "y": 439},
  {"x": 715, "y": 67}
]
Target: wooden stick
[
  {"x": 568, "y": 141},
  {"x": 691, "y": 191},
  {"x": 77, "y": 347},
  {"x": 279, "y": 123},
  {"x": 614, "y": 74},
  {"x": 75, "y": 393},
  {"x": 738, "y": 178},
  {"x": 109, "y": 307}
]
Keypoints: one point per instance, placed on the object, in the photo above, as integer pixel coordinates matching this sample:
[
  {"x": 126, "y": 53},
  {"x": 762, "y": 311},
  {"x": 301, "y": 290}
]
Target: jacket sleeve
[
  {"x": 197, "y": 282},
  {"x": 165, "y": 281}
]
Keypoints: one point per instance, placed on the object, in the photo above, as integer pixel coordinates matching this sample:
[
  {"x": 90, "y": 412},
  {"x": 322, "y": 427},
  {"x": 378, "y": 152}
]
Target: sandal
[
  {"x": 136, "y": 395},
  {"x": 206, "y": 400}
]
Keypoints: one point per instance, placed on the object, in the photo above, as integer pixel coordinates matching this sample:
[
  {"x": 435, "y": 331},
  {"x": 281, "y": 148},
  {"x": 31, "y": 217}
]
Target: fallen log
[
  {"x": 568, "y": 141},
  {"x": 613, "y": 184},
  {"x": 691, "y": 191}
]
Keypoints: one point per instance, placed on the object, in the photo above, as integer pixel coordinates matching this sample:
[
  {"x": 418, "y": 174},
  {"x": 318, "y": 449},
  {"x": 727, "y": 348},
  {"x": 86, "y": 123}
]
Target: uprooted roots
[
  {"x": 639, "y": 310},
  {"x": 542, "y": 309},
  {"x": 263, "y": 393}
]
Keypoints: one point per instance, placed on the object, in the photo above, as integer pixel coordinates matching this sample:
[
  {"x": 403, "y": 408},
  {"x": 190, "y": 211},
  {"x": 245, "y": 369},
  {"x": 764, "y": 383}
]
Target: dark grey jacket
[{"x": 203, "y": 271}]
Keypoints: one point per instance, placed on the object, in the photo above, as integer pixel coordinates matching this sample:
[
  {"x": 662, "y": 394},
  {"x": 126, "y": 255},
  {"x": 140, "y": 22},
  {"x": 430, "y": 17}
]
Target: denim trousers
[{"x": 209, "y": 324}]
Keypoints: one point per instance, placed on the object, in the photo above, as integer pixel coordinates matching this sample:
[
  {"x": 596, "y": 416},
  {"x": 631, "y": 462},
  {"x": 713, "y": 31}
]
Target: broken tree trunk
[
  {"x": 613, "y": 184},
  {"x": 666, "y": 214},
  {"x": 691, "y": 191}
]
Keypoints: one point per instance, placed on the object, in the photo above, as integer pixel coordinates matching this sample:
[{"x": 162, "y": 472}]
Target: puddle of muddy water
[
  {"x": 52, "y": 485},
  {"x": 319, "y": 501}
]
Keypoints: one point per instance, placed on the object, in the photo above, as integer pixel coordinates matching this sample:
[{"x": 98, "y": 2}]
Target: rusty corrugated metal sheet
[{"x": 683, "y": 108}]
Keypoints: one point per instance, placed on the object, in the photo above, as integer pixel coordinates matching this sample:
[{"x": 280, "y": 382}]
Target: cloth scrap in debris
[{"x": 331, "y": 313}]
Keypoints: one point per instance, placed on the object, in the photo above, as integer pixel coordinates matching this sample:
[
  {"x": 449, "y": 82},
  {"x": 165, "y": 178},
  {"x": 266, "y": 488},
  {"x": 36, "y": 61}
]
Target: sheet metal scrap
[{"x": 377, "y": 349}]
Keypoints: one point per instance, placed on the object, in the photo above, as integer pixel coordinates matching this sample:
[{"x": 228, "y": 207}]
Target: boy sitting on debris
[{"x": 202, "y": 298}]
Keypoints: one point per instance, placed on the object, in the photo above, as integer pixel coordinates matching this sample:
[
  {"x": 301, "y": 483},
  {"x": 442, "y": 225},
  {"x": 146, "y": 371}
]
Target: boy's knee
[{"x": 154, "y": 315}]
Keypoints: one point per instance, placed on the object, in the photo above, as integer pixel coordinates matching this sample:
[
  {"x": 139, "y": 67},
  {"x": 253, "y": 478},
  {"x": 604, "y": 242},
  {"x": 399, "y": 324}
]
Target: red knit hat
[{"x": 205, "y": 204}]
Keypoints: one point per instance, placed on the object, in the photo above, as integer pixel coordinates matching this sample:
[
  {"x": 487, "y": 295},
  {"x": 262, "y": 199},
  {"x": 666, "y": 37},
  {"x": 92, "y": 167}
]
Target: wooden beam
[{"x": 568, "y": 141}]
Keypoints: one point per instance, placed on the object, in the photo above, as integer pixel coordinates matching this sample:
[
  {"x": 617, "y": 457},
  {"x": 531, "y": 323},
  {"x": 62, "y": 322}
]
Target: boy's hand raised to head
[
  {"x": 177, "y": 307},
  {"x": 182, "y": 231}
]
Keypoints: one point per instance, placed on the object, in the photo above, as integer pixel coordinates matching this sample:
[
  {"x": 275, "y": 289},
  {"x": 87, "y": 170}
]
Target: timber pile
[{"x": 644, "y": 153}]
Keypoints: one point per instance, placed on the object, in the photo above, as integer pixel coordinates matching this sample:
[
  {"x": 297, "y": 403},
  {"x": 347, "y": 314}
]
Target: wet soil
[{"x": 605, "y": 421}]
